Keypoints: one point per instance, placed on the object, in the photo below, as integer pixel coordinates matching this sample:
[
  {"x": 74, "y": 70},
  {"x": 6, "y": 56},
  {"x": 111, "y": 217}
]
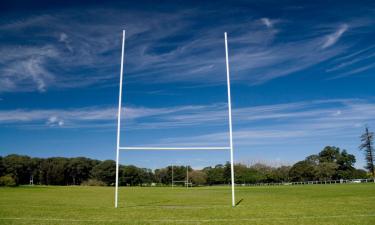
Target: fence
[{"x": 341, "y": 181}]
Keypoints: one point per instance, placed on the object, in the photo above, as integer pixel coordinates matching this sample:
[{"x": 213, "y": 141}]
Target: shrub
[
  {"x": 8, "y": 181},
  {"x": 93, "y": 182}
]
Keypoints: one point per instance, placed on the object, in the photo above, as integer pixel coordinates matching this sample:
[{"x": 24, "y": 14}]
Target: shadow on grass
[{"x": 239, "y": 202}]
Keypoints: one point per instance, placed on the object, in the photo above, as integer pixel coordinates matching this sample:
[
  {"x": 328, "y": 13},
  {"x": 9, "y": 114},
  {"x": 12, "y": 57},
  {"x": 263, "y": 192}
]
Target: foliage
[
  {"x": 2, "y": 167},
  {"x": 198, "y": 177},
  {"x": 303, "y": 171},
  {"x": 164, "y": 175},
  {"x": 105, "y": 171},
  {"x": 330, "y": 163},
  {"x": 8, "y": 181},
  {"x": 215, "y": 175},
  {"x": 132, "y": 175},
  {"x": 80, "y": 169},
  {"x": 19, "y": 167}
]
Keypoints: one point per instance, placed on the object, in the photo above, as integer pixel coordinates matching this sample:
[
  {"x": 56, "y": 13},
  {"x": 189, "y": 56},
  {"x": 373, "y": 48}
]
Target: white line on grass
[{"x": 190, "y": 220}]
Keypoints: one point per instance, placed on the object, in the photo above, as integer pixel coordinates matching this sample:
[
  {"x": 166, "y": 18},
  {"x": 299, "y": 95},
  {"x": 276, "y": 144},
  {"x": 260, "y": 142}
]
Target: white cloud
[
  {"x": 356, "y": 70},
  {"x": 299, "y": 118},
  {"x": 255, "y": 56},
  {"x": 26, "y": 68},
  {"x": 337, "y": 113},
  {"x": 333, "y": 38},
  {"x": 55, "y": 121},
  {"x": 351, "y": 60},
  {"x": 305, "y": 122},
  {"x": 94, "y": 116},
  {"x": 64, "y": 39},
  {"x": 267, "y": 22}
]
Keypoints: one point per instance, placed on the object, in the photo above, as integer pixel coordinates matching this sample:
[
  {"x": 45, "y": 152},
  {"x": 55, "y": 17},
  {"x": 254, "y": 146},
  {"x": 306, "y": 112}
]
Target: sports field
[{"x": 310, "y": 204}]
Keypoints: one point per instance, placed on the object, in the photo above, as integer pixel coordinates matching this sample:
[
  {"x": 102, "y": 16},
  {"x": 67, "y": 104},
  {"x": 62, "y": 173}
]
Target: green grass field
[{"x": 310, "y": 204}]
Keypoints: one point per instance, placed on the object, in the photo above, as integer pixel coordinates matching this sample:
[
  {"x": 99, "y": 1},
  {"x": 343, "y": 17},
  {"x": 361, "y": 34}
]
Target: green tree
[
  {"x": 329, "y": 154},
  {"x": 215, "y": 175},
  {"x": 163, "y": 175},
  {"x": 241, "y": 173},
  {"x": 2, "y": 167},
  {"x": 54, "y": 171},
  {"x": 346, "y": 161},
  {"x": 132, "y": 175},
  {"x": 358, "y": 173},
  {"x": 36, "y": 169},
  {"x": 280, "y": 174},
  {"x": 303, "y": 171},
  {"x": 332, "y": 163},
  {"x": 79, "y": 169},
  {"x": 8, "y": 181},
  {"x": 346, "y": 168},
  {"x": 227, "y": 173},
  {"x": 326, "y": 170},
  {"x": 264, "y": 173},
  {"x": 18, "y": 166},
  {"x": 105, "y": 171},
  {"x": 198, "y": 177},
  {"x": 146, "y": 176},
  {"x": 367, "y": 146}
]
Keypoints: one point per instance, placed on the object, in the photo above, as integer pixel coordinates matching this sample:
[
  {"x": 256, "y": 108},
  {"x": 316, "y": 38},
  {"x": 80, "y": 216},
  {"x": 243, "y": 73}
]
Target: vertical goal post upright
[{"x": 118, "y": 147}]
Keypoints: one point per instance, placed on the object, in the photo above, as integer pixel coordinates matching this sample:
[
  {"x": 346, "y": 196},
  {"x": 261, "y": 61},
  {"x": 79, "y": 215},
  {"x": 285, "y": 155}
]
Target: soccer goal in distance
[{"x": 134, "y": 148}]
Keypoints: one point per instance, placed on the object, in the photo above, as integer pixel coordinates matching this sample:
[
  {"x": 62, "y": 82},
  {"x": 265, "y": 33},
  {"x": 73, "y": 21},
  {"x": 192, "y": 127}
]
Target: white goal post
[
  {"x": 186, "y": 181},
  {"x": 118, "y": 147}
]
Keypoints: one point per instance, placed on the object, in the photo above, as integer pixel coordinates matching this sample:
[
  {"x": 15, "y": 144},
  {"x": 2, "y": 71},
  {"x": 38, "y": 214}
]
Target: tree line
[{"x": 330, "y": 163}]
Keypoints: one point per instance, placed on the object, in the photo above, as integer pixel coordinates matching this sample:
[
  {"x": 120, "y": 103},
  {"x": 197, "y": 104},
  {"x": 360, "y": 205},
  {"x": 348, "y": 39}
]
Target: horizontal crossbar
[{"x": 174, "y": 148}]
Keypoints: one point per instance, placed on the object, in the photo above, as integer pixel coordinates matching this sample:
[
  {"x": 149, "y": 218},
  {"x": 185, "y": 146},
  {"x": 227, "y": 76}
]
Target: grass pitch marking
[{"x": 192, "y": 220}]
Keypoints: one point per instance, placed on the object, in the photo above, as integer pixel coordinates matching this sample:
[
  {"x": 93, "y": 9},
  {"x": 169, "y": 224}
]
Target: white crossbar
[{"x": 174, "y": 148}]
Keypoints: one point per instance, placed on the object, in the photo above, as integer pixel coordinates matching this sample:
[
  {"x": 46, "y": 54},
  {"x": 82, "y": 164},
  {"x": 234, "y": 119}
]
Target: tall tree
[
  {"x": 2, "y": 167},
  {"x": 329, "y": 154},
  {"x": 18, "y": 166},
  {"x": 303, "y": 171},
  {"x": 163, "y": 175},
  {"x": 198, "y": 177},
  {"x": 54, "y": 171},
  {"x": 367, "y": 146},
  {"x": 105, "y": 171},
  {"x": 215, "y": 175},
  {"x": 79, "y": 169}
]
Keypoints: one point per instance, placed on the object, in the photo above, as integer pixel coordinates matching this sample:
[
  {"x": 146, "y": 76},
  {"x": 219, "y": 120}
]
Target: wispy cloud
[
  {"x": 104, "y": 116},
  {"x": 333, "y": 38},
  {"x": 280, "y": 120},
  {"x": 41, "y": 118},
  {"x": 76, "y": 47},
  {"x": 353, "y": 63},
  {"x": 356, "y": 70},
  {"x": 307, "y": 122},
  {"x": 64, "y": 39},
  {"x": 25, "y": 67},
  {"x": 61, "y": 39},
  {"x": 267, "y": 22},
  {"x": 55, "y": 121}
]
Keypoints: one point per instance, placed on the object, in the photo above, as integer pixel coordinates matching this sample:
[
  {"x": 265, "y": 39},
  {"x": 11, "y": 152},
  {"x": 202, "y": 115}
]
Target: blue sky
[{"x": 302, "y": 78}]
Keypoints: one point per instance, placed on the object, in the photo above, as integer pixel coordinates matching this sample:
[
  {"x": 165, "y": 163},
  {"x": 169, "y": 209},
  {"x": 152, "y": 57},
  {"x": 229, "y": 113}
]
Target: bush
[
  {"x": 93, "y": 182},
  {"x": 8, "y": 181}
]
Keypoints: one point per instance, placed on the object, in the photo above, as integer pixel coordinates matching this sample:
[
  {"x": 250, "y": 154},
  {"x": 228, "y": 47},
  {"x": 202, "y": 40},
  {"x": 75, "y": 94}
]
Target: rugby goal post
[
  {"x": 118, "y": 147},
  {"x": 186, "y": 181}
]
